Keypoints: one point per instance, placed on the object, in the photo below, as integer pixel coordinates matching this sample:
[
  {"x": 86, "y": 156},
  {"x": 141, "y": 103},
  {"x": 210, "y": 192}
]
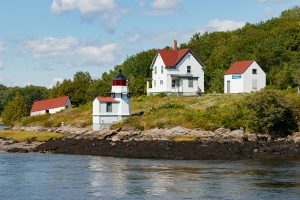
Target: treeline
[{"x": 274, "y": 44}]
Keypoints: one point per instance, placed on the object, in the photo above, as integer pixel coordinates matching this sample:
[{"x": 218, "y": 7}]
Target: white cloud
[
  {"x": 97, "y": 55},
  {"x": 50, "y": 46},
  {"x": 164, "y": 7},
  {"x": 73, "y": 51},
  {"x": 133, "y": 38},
  {"x": 166, "y": 4},
  {"x": 105, "y": 10},
  {"x": 224, "y": 25},
  {"x": 167, "y": 37}
]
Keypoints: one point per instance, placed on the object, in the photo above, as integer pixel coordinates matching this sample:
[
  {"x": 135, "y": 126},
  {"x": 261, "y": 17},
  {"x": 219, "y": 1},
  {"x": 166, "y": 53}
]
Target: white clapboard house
[
  {"x": 244, "y": 77},
  {"x": 176, "y": 71},
  {"x": 115, "y": 107},
  {"x": 50, "y": 106}
]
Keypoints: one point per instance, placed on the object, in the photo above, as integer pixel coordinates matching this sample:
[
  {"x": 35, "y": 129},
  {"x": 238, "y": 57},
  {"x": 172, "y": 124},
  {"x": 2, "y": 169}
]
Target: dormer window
[
  {"x": 188, "y": 69},
  {"x": 254, "y": 71}
]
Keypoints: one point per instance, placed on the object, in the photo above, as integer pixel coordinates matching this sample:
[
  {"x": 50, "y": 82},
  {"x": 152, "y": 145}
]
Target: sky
[{"x": 45, "y": 41}]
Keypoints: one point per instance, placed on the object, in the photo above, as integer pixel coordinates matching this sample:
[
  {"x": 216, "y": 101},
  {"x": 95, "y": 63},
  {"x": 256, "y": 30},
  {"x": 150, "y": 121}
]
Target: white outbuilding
[
  {"x": 115, "y": 107},
  {"x": 244, "y": 77},
  {"x": 50, "y": 106},
  {"x": 176, "y": 71}
]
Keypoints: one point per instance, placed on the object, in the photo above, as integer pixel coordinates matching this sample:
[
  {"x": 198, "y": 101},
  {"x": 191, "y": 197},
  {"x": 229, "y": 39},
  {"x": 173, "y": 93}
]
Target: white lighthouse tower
[{"x": 115, "y": 107}]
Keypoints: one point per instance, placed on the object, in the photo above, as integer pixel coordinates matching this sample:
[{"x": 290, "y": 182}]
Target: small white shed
[
  {"x": 244, "y": 77},
  {"x": 50, "y": 106},
  {"x": 113, "y": 108}
]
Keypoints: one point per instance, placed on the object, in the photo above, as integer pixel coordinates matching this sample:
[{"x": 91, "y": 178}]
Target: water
[
  {"x": 1, "y": 127},
  {"x": 46, "y": 176}
]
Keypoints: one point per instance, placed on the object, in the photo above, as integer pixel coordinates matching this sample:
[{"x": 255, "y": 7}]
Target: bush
[{"x": 271, "y": 113}]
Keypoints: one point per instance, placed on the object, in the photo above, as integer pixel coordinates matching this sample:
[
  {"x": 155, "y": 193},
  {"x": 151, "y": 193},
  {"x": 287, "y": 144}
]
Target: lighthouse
[{"x": 114, "y": 107}]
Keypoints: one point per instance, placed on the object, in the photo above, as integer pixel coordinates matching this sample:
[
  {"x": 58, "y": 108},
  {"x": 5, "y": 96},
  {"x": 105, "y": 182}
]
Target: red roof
[
  {"x": 107, "y": 99},
  {"x": 239, "y": 67},
  {"x": 49, "y": 104},
  {"x": 172, "y": 57}
]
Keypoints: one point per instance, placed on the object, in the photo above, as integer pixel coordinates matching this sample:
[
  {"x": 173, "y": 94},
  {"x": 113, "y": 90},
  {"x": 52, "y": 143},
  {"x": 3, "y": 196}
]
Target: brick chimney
[{"x": 175, "y": 44}]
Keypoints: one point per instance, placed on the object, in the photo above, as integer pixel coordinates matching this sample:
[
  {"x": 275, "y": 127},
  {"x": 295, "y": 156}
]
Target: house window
[
  {"x": 47, "y": 111},
  {"x": 161, "y": 82},
  {"x": 108, "y": 107},
  {"x": 155, "y": 70},
  {"x": 254, "y": 71},
  {"x": 173, "y": 83},
  {"x": 188, "y": 69},
  {"x": 154, "y": 83},
  {"x": 162, "y": 69},
  {"x": 191, "y": 82}
]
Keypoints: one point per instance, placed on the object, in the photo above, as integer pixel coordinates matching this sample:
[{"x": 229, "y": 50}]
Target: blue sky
[{"x": 44, "y": 41}]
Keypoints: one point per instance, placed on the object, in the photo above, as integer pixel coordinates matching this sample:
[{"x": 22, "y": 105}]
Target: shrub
[{"x": 271, "y": 113}]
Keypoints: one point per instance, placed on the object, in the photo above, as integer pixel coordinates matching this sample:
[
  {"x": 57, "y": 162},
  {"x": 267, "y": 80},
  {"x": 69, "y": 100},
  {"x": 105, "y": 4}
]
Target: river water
[{"x": 47, "y": 176}]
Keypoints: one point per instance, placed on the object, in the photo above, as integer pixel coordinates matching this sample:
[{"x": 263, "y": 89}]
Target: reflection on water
[{"x": 40, "y": 176}]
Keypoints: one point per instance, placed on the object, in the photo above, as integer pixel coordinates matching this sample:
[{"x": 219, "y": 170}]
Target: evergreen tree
[{"x": 14, "y": 110}]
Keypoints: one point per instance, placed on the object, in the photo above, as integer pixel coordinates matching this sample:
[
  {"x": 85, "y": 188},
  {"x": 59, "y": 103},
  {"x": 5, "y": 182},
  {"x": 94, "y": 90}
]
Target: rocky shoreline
[{"x": 162, "y": 144}]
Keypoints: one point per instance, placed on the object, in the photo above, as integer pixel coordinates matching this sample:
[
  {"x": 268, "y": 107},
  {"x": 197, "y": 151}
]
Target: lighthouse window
[
  {"x": 155, "y": 70},
  {"x": 108, "y": 107},
  {"x": 162, "y": 69}
]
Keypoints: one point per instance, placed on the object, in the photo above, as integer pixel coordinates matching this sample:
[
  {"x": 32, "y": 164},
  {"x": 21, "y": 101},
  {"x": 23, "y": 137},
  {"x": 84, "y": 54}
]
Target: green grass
[
  {"x": 208, "y": 112},
  {"x": 21, "y": 136},
  {"x": 78, "y": 117}
]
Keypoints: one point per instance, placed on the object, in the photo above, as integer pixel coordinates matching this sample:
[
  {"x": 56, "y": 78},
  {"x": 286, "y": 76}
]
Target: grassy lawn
[
  {"x": 170, "y": 111},
  {"x": 21, "y": 136},
  {"x": 207, "y": 112},
  {"x": 78, "y": 117}
]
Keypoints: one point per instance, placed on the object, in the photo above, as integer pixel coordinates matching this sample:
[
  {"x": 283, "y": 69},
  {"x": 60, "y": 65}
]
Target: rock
[
  {"x": 251, "y": 136},
  {"x": 236, "y": 135},
  {"x": 178, "y": 130},
  {"x": 222, "y": 131},
  {"x": 262, "y": 137},
  {"x": 296, "y": 137},
  {"x": 18, "y": 150}
]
